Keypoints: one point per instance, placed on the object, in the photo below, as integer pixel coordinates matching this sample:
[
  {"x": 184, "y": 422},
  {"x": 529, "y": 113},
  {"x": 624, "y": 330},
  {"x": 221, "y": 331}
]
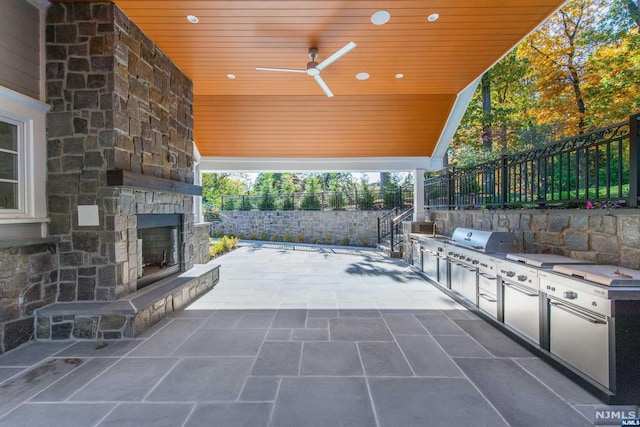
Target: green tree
[{"x": 216, "y": 185}]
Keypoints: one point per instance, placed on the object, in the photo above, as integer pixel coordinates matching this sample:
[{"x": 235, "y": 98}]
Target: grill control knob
[
  {"x": 570, "y": 295},
  {"x": 511, "y": 273},
  {"x": 475, "y": 261},
  {"x": 522, "y": 278},
  {"x": 468, "y": 259}
]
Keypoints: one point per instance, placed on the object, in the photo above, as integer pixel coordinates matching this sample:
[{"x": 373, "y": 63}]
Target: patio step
[{"x": 127, "y": 317}]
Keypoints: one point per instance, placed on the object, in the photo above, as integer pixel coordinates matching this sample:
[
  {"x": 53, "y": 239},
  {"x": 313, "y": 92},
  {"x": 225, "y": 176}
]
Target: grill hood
[{"x": 489, "y": 242}]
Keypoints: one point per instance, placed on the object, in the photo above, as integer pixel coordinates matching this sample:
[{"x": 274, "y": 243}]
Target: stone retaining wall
[
  {"x": 598, "y": 235},
  {"x": 358, "y": 228}
]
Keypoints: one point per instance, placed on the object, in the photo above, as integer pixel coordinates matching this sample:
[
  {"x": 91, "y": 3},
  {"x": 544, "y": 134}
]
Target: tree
[
  {"x": 485, "y": 91},
  {"x": 216, "y": 185},
  {"x": 558, "y": 54},
  {"x": 612, "y": 82}
]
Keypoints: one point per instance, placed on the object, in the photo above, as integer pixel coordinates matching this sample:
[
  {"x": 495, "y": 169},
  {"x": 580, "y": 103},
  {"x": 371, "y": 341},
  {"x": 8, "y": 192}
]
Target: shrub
[
  {"x": 224, "y": 244},
  {"x": 300, "y": 237},
  {"x": 310, "y": 202},
  {"x": 230, "y": 204},
  {"x": 252, "y": 236},
  {"x": 365, "y": 241},
  {"x": 267, "y": 203},
  {"x": 287, "y": 237},
  {"x": 345, "y": 241},
  {"x": 336, "y": 201},
  {"x": 245, "y": 204},
  {"x": 366, "y": 198},
  {"x": 288, "y": 204},
  {"x": 274, "y": 238},
  {"x": 389, "y": 197},
  {"x": 264, "y": 235},
  {"x": 328, "y": 239}
]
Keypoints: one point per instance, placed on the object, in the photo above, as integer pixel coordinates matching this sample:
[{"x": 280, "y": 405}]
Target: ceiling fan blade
[
  {"x": 323, "y": 85},
  {"x": 284, "y": 70},
  {"x": 344, "y": 49}
]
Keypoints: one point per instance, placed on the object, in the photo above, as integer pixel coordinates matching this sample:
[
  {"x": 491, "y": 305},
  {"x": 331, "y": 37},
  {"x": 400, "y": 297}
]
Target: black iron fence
[
  {"x": 362, "y": 199},
  {"x": 598, "y": 168}
]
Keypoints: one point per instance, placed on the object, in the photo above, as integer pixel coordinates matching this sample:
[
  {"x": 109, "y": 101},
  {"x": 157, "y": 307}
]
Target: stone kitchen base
[{"x": 127, "y": 317}]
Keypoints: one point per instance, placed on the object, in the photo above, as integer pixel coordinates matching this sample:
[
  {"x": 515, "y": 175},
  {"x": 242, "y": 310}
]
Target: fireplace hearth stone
[{"x": 127, "y": 317}]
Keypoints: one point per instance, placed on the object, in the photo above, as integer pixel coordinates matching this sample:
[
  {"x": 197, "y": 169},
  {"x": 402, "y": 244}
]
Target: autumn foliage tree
[{"x": 579, "y": 71}]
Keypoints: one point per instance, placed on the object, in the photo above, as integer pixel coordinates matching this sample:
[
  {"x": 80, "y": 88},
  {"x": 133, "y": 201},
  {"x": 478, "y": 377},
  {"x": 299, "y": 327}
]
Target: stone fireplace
[
  {"x": 120, "y": 141},
  {"x": 120, "y": 138}
]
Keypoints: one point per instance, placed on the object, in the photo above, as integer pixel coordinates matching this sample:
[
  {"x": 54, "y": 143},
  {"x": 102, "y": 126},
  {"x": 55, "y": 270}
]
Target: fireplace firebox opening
[{"x": 159, "y": 247}]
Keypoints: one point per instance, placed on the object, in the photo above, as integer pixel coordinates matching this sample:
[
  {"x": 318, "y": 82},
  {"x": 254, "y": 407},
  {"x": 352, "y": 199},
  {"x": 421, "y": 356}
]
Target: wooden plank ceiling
[{"x": 275, "y": 114}]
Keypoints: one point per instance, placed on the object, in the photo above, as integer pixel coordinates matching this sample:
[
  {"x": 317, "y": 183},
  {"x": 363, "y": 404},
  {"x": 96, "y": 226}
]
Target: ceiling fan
[{"x": 313, "y": 68}]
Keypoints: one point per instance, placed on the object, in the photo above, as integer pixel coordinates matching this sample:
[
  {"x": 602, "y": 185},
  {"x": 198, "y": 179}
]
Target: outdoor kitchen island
[{"x": 581, "y": 318}]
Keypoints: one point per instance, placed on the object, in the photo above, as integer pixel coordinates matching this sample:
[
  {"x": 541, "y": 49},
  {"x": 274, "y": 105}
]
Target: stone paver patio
[{"x": 300, "y": 336}]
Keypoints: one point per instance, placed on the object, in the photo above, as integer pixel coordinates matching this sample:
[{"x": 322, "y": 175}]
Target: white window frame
[{"x": 29, "y": 115}]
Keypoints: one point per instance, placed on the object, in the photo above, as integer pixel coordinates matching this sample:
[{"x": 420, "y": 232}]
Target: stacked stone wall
[
  {"x": 201, "y": 243},
  {"x": 28, "y": 281},
  {"x": 358, "y": 228},
  {"x": 599, "y": 235}
]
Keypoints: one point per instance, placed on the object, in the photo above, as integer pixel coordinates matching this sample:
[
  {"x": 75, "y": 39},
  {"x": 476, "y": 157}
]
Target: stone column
[{"x": 418, "y": 195}]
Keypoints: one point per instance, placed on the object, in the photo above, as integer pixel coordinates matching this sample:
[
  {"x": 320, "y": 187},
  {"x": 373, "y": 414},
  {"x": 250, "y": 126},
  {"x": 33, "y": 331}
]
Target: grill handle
[
  {"x": 528, "y": 292},
  {"x": 577, "y": 313}
]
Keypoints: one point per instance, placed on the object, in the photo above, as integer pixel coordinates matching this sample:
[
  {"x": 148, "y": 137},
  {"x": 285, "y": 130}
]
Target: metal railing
[
  {"x": 362, "y": 199},
  {"x": 390, "y": 224},
  {"x": 385, "y": 224},
  {"x": 595, "y": 168}
]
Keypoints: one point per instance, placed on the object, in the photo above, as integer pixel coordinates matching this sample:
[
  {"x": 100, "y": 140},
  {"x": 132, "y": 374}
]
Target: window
[
  {"x": 22, "y": 166},
  {"x": 9, "y": 171}
]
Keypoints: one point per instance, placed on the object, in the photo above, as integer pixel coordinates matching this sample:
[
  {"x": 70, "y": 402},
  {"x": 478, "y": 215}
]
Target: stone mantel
[{"x": 122, "y": 178}]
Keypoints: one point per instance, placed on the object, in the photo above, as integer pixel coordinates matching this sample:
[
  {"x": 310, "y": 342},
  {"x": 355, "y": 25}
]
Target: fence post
[
  {"x": 504, "y": 187},
  {"x": 634, "y": 160},
  {"x": 379, "y": 239},
  {"x": 451, "y": 187},
  {"x": 221, "y": 203}
]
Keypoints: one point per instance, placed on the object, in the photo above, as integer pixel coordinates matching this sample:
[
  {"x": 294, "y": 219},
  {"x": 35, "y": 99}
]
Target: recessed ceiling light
[
  {"x": 399, "y": 76},
  {"x": 231, "y": 76},
  {"x": 380, "y": 17},
  {"x": 362, "y": 76},
  {"x": 193, "y": 19},
  {"x": 433, "y": 17}
]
